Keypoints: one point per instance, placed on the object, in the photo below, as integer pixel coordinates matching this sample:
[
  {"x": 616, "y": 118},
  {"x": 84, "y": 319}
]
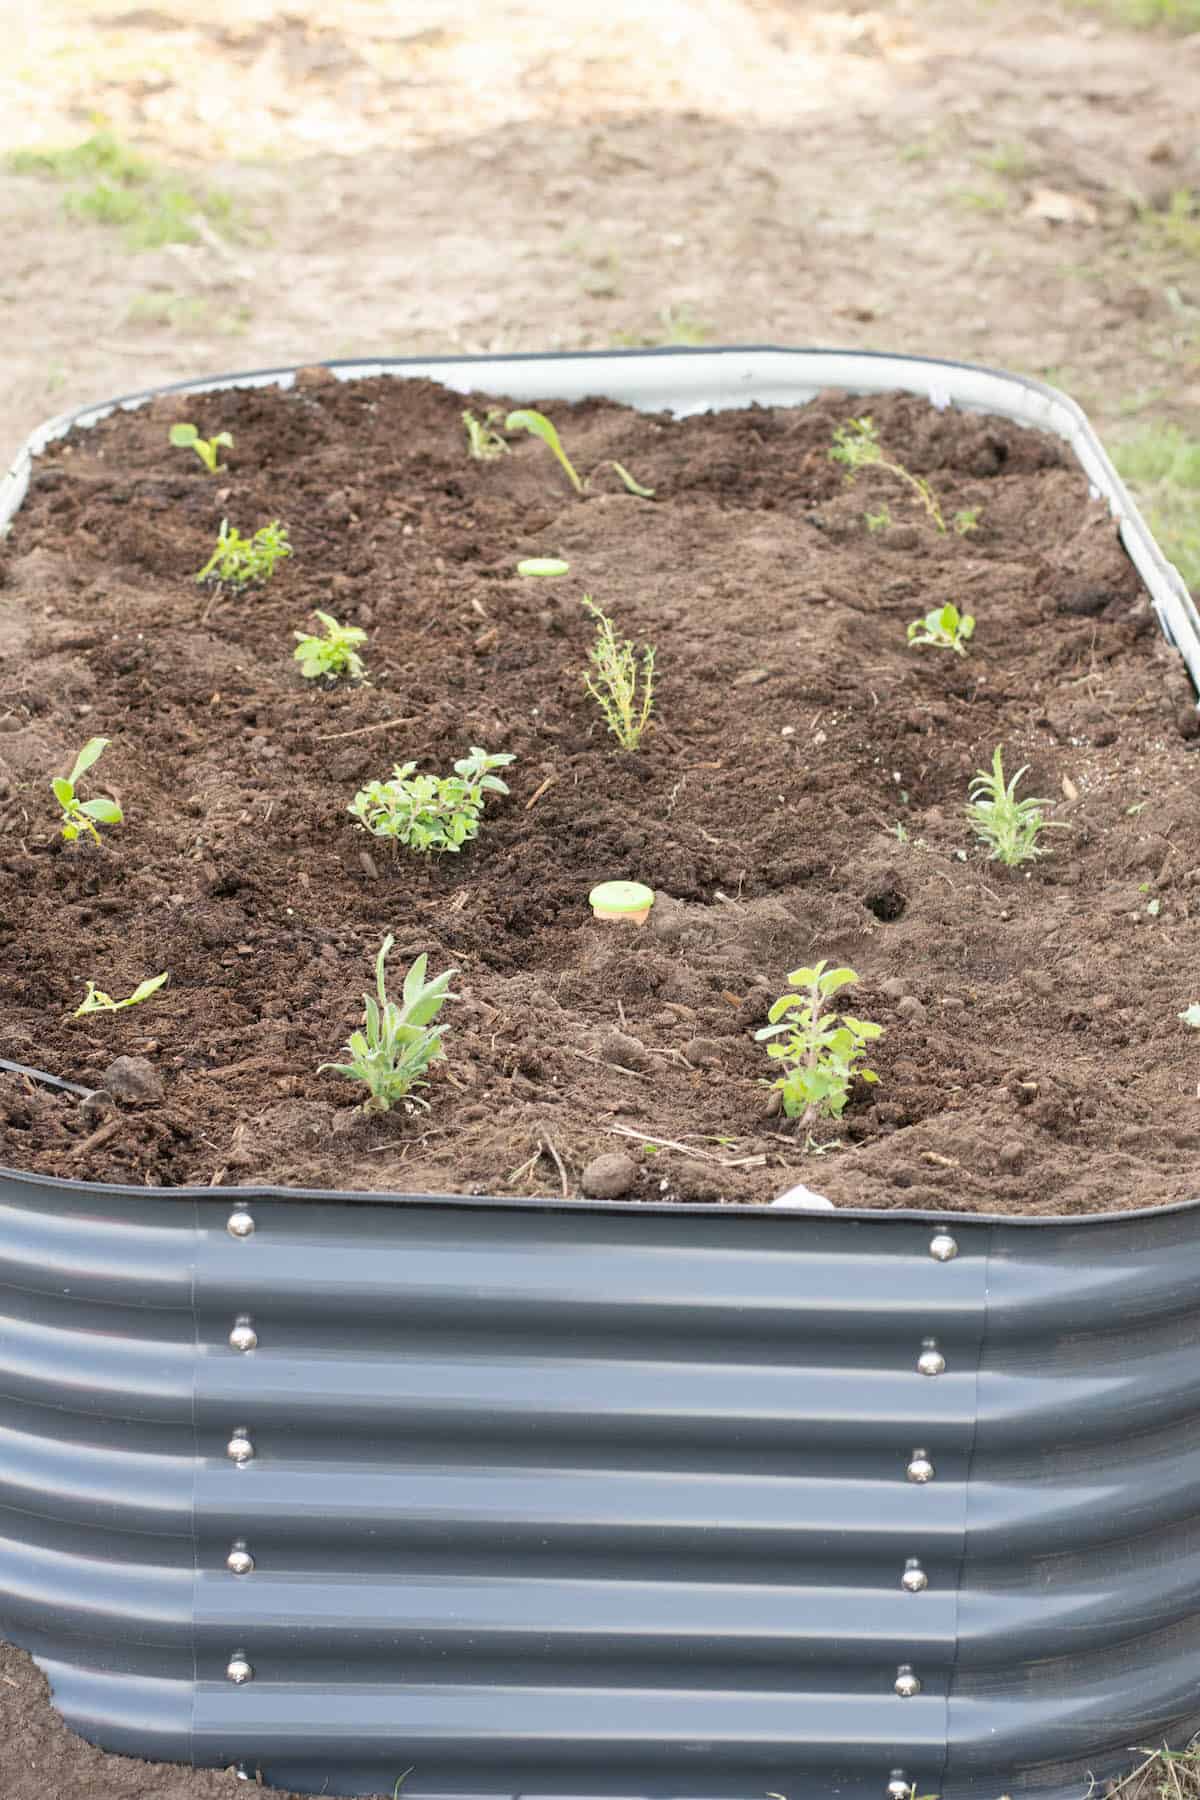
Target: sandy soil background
[{"x": 992, "y": 180}]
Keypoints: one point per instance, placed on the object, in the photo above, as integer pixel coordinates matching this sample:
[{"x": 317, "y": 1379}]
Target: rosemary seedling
[
  {"x": 945, "y": 628},
  {"x": 430, "y": 812},
  {"x": 1008, "y": 826},
  {"x": 237, "y": 561},
  {"x": 624, "y": 694},
  {"x": 84, "y": 815},
  {"x": 396, "y": 1044},
  {"x": 95, "y": 1000},
  {"x": 334, "y": 653},
  {"x": 822, "y": 1055},
  {"x": 186, "y": 437},
  {"x": 856, "y": 445}
]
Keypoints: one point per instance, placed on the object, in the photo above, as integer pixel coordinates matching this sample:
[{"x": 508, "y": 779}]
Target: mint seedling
[
  {"x": 540, "y": 426},
  {"x": 95, "y": 1001},
  {"x": 624, "y": 694},
  {"x": 824, "y": 1056},
  {"x": 430, "y": 812},
  {"x": 396, "y": 1045},
  {"x": 333, "y": 654},
  {"x": 83, "y": 815},
  {"x": 186, "y": 437},
  {"x": 945, "y": 628},
  {"x": 484, "y": 442},
  {"x": 856, "y": 444},
  {"x": 1008, "y": 826},
  {"x": 238, "y": 561}
]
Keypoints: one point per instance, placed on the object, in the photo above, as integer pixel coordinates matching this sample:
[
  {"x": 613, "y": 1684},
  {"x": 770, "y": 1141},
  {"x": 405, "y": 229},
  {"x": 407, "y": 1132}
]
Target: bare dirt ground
[{"x": 994, "y": 182}]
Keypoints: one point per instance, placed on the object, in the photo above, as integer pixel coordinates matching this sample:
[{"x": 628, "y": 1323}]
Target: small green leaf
[
  {"x": 91, "y": 752},
  {"x": 184, "y": 436},
  {"x": 543, "y": 565},
  {"x": 539, "y": 425},
  {"x": 144, "y": 989},
  {"x": 64, "y": 790},
  {"x": 107, "y": 812},
  {"x": 635, "y": 487}
]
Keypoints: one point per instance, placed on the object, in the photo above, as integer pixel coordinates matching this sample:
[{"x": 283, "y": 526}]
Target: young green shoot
[
  {"x": 966, "y": 520},
  {"x": 856, "y": 445},
  {"x": 623, "y": 692},
  {"x": 539, "y": 425},
  {"x": 945, "y": 628},
  {"x": 879, "y": 520},
  {"x": 333, "y": 653},
  {"x": 186, "y": 437},
  {"x": 84, "y": 815},
  {"x": 396, "y": 1044},
  {"x": 237, "y": 561},
  {"x": 1008, "y": 826},
  {"x": 484, "y": 442},
  {"x": 430, "y": 812},
  {"x": 95, "y": 1001},
  {"x": 822, "y": 1050}
]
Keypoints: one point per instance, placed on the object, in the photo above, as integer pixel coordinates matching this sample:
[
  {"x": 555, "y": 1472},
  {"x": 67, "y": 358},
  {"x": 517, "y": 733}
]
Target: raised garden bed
[
  {"x": 800, "y": 794},
  {"x": 676, "y": 1495}
]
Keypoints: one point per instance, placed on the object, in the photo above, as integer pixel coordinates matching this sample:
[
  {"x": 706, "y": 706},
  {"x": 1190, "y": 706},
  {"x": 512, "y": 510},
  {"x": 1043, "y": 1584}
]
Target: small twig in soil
[
  {"x": 524, "y": 1168},
  {"x": 362, "y": 730},
  {"x": 101, "y": 1135},
  {"x": 547, "y": 1143},
  {"x": 538, "y": 792},
  {"x": 601, "y": 1064},
  {"x": 941, "y": 1162}
]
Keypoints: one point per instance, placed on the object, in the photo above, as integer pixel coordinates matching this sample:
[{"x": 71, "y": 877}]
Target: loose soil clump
[{"x": 801, "y": 795}]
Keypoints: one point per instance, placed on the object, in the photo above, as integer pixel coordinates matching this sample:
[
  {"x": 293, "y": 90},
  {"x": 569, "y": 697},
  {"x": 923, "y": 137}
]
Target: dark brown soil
[{"x": 802, "y": 796}]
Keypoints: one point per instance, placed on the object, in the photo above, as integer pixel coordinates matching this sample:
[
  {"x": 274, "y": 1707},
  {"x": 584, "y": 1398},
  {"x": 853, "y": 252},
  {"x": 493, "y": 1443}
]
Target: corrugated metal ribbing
[{"x": 600, "y": 1502}]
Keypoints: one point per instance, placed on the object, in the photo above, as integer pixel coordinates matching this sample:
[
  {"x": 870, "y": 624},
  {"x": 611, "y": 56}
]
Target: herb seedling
[
  {"x": 333, "y": 654},
  {"x": 540, "y": 426},
  {"x": 186, "y": 437},
  {"x": 878, "y": 521},
  {"x": 396, "y": 1044},
  {"x": 823, "y": 1055},
  {"x": 484, "y": 442},
  {"x": 95, "y": 1001},
  {"x": 1010, "y": 827},
  {"x": 945, "y": 628},
  {"x": 966, "y": 520},
  {"x": 430, "y": 812},
  {"x": 624, "y": 694},
  {"x": 856, "y": 444},
  {"x": 239, "y": 561},
  {"x": 84, "y": 815}
]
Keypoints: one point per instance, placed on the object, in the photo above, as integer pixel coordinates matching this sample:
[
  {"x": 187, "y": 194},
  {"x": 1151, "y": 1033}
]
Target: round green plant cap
[
  {"x": 543, "y": 565},
  {"x": 621, "y": 897}
]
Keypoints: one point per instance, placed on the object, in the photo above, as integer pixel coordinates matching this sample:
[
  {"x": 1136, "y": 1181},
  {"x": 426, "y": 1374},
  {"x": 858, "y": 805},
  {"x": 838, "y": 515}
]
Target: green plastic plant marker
[
  {"x": 629, "y": 900},
  {"x": 542, "y": 565}
]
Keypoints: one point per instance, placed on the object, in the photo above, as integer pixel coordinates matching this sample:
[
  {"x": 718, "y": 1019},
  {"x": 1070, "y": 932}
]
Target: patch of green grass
[
  {"x": 1010, "y": 160},
  {"x": 111, "y": 184},
  {"x": 984, "y": 200},
  {"x": 1164, "y": 1775},
  {"x": 1177, "y": 226},
  {"x": 1179, "y": 15},
  {"x": 1162, "y": 466},
  {"x": 677, "y": 325}
]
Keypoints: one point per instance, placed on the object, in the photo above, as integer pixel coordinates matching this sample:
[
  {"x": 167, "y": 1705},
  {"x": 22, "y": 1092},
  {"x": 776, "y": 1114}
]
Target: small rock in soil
[
  {"x": 892, "y": 988},
  {"x": 618, "y": 1047},
  {"x": 610, "y": 1176},
  {"x": 910, "y": 1008},
  {"x": 134, "y": 1080},
  {"x": 98, "y": 1106},
  {"x": 702, "y": 1053},
  {"x": 1011, "y": 1153}
]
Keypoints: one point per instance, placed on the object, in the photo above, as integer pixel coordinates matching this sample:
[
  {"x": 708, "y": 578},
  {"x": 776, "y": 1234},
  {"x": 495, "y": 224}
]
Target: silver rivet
[
  {"x": 931, "y": 1361},
  {"x": 240, "y": 1224},
  {"x": 920, "y": 1468},
  {"x": 943, "y": 1247},
  {"x": 238, "y": 1670},
  {"x": 239, "y": 1449},
  {"x": 243, "y": 1336},
  {"x": 239, "y": 1561},
  {"x": 906, "y": 1683},
  {"x": 914, "y": 1579},
  {"x": 899, "y": 1787}
]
